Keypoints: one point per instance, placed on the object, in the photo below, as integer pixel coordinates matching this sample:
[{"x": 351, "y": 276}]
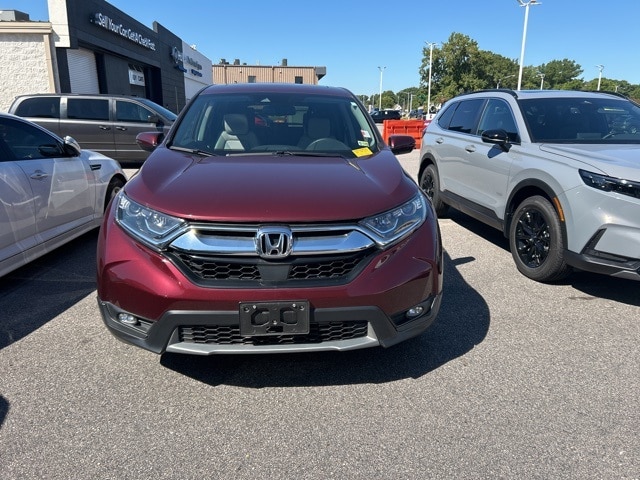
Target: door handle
[
  {"x": 104, "y": 127},
  {"x": 439, "y": 140},
  {"x": 122, "y": 129},
  {"x": 39, "y": 175},
  {"x": 470, "y": 148}
]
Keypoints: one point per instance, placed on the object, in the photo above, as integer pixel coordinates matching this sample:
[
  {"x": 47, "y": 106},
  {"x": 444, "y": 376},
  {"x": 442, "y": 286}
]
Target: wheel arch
[
  {"x": 528, "y": 188},
  {"x": 115, "y": 180},
  {"x": 425, "y": 161}
]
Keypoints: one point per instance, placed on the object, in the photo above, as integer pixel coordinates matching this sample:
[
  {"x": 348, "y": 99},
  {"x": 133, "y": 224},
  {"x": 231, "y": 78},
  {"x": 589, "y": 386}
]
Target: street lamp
[
  {"x": 503, "y": 78},
  {"x": 524, "y": 34},
  {"x": 541, "y": 75},
  {"x": 600, "y": 68},
  {"x": 380, "y": 99},
  {"x": 431, "y": 44}
]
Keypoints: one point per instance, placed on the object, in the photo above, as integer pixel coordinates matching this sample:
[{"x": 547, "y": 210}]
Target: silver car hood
[{"x": 618, "y": 160}]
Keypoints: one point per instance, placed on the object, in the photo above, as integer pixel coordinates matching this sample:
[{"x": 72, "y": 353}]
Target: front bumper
[
  {"x": 165, "y": 311},
  {"x": 603, "y": 232},
  {"x": 333, "y": 329}
]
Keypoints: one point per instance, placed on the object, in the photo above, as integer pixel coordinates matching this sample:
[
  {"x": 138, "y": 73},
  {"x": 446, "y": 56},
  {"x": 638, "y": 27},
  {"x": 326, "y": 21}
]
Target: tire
[
  {"x": 536, "y": 239},
  {"x": 430, "y": 185},
  {"x": 115, "y": 185}
]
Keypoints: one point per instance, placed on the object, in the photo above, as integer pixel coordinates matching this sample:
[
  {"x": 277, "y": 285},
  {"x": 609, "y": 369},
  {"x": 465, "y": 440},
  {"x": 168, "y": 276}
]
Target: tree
[
  {"x": 560, "y": 74},
  {"x": 453, "y": 66},
  {"x": 460, "y": 66}
]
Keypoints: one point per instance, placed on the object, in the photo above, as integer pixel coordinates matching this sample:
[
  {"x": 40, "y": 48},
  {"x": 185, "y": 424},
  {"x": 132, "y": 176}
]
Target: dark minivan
[{"x": 107, "y": 124}]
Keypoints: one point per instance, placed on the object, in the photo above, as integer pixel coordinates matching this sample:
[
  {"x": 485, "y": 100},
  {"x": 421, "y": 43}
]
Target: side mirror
[
  {"x": 71, "y": 147},
  {"x": 497, "y": 137},
  {"x": 400, "y": 144},
  {"x": 148, "y": 141}
]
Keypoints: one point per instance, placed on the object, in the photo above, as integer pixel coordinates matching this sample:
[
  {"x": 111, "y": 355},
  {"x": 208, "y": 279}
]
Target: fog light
[
  {"x": 415, "y": 312},
  {"x": 127, "y": 319}
]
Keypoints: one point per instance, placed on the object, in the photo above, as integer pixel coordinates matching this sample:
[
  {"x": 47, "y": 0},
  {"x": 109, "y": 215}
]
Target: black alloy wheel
[
  {"x": 536, "y": 239},
  {"x": 430, "y": 185}
]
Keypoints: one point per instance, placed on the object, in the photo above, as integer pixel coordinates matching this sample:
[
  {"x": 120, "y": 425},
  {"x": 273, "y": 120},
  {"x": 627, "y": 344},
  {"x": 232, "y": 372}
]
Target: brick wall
[{"x": 25, "y": 56}]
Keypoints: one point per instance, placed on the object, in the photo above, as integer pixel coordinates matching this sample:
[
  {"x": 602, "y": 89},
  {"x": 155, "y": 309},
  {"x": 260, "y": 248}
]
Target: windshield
[
  {"x": 226, "y": 124},
  {"x": 582, "y": 120}
]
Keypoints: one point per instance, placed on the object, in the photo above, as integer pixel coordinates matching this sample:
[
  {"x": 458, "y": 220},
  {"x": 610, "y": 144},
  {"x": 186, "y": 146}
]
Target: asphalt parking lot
[{"x": 515, "y": 380}]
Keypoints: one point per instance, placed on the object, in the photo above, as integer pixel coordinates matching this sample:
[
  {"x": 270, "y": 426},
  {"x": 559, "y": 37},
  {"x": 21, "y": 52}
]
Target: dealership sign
[{"x": 109, "y": 24}]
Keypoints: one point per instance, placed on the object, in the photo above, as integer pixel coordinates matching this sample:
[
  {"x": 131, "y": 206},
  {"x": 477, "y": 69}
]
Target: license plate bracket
[{"x": 274, "y": 318}]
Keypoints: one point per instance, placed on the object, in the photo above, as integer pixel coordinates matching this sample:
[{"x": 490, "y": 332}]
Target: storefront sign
[
  {"x": 136, "y": 78},
  {"x": 109, "y": 24},
  {"x": 176, "y": 55}
]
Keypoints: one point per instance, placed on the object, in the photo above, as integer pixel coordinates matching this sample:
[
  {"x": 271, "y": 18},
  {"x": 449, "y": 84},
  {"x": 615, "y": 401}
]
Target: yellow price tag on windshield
[{"x": 362, "y": 152}]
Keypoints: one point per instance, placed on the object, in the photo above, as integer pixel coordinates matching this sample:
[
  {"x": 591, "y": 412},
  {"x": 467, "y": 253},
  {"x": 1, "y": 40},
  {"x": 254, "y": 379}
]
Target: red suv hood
[{"x": 267, "y": 188}]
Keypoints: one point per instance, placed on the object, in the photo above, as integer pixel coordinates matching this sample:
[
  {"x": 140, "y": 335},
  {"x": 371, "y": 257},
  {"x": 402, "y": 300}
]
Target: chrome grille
[
  {"x": 230, "y": 255},
  {"x": 230, "y": 335}
]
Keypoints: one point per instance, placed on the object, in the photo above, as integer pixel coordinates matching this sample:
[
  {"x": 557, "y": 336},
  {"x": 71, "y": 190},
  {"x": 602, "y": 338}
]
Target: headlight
[
  {"x": 391, "y": 226},
  {"x": 611, "y": 184},
  {"x": 153, "y": 228}
]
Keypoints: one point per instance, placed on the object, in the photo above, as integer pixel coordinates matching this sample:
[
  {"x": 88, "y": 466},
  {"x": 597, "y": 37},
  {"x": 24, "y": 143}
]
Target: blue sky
[{"x": 353, "y": 38}]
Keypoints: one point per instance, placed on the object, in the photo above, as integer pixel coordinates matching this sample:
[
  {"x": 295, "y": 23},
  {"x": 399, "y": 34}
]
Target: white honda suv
[{"x": 557, "y": 171}]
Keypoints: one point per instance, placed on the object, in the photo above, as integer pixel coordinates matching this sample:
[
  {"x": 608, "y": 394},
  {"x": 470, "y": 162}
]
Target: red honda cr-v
[{"x": 272, "y": 218}]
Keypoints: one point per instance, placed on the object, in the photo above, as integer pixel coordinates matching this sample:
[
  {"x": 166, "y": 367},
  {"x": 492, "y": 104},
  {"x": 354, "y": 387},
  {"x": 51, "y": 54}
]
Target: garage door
[{"x": 83, "y": 72}]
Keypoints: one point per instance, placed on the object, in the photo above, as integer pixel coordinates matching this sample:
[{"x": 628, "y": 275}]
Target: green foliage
[{"x": 459, "y": 65}]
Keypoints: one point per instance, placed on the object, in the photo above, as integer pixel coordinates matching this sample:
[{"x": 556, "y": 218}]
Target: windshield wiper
[
  {"x": 194, "y": 151},
  {"x": 306, "y": 153}
]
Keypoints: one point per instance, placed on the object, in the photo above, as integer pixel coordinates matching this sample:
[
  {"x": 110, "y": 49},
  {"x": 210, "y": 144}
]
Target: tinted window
[
  {"x": 497, "y": 115},
  {"x": 168, "y": 114},
  {"x": 41, "y": 107},
  {"x": 88, "y": 108},
  {"x": 131, "y": 112},
  {"x": 447, "y": 114},
  {"x": 466, "y": 116},
  {"x": 28, "y": 142}
]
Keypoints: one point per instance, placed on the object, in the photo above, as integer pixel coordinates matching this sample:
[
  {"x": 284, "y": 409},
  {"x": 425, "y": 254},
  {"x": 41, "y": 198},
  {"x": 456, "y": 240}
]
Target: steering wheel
[{"x": 327, "y": 144}]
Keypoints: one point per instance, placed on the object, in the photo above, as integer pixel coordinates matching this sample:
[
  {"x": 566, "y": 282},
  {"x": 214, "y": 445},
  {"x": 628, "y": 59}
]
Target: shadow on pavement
[
  {"x": 462, "y": 324},
  {"x": 595, "y": 285},
  {"x": 4, "y": 409},
  {"x": 38, "y": 292}
]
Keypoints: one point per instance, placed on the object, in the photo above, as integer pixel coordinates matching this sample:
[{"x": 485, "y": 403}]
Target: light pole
[
  {"x": 541, "y": 75},
  {"x": 526, "y": 6},
  {"x": 431, "y": 44},
  {"x": 503, "y": 78},
  {"x": 380, "y": 99},
  {"x": 600, "y": 68}
]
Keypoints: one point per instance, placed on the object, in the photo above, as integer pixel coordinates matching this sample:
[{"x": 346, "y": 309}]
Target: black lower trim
[
  {"x": 472, "y": 209},
  {"x": 629, "y": 269}
]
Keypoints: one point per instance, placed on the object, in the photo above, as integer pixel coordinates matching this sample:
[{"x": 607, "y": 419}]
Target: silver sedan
[{"x": 51, "y": 191}]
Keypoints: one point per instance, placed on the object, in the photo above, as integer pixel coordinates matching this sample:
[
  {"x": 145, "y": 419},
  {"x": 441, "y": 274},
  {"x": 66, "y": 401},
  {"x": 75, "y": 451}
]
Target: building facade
[
  {"x": 226, "y": 73},
  {"x": 89, "y": 46},
  {"x": 26, "y": 56}
]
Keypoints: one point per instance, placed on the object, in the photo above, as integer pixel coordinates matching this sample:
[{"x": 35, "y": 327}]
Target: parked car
[
  {"x": 107, "y": 124},
  {"x": 51, "y": 191},
  {"x": 555, "y": 171},
  {"x": 379, "y": 116},
  {"x": 299, "y": 232}
]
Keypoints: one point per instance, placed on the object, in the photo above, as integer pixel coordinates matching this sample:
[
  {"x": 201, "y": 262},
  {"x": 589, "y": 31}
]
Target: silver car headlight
[
  {"x": 150, "y": 226},
  {"x": 391, "y": 226}
]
